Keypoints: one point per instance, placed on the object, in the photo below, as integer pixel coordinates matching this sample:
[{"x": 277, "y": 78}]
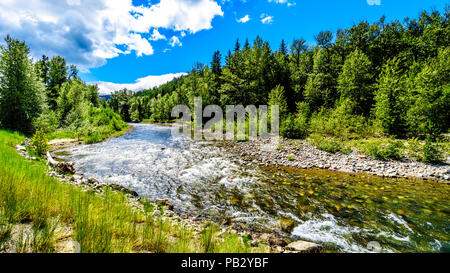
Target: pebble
[{"x": 301, "y": 154}]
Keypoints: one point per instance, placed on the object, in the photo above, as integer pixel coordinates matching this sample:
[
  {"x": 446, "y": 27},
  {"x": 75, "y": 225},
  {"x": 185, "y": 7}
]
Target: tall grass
[{"x": 101, "y": 223}]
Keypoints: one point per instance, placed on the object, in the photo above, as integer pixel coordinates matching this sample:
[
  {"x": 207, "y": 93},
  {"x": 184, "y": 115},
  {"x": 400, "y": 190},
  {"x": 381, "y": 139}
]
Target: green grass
[
  {"x": 100, "y": 134},
  {"x": 101, "y": 223},
  {"x": 62, "y": 134},
  {"x": 329, "y": 144},
  {"x": 385, "y": 148}
]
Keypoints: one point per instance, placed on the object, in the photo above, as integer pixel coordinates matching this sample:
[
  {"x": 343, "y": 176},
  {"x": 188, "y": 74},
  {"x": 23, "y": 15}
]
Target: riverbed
[{"x": 343, "y": 212}]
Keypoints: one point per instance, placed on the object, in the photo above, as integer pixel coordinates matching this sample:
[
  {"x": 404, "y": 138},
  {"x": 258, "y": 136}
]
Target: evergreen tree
[
  {"x": 283, "y": 48},
  {"x": 320, "y": 89},
  {"x": 216, "y": 66},
  {"x": 58, "y": 75},
  {"x": 277, "y": 97},
  {"x": 21, "y": 93},
  {"x": 391, "y": 101},
  {"x": 355, "y": 82},
  {"x": 43, "y": 69},
  {"x": 430, "y": 113}
]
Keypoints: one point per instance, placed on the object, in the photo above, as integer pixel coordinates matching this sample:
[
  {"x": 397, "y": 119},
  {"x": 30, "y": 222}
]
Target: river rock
[
  {"x": 273, "y": 240},
  {"x": 287, "y": 225},
  {"x": 116, "y": 187},
  {"x": 165, "y": 203},
  {"x": 20, "y": 148},
  {"x": 304, "y": 247}
]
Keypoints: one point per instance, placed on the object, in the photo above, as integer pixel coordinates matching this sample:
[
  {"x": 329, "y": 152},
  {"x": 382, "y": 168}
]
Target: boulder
[
  {"x": 274, "y": 240},
  {"x": 304, "y": 247},
  {"x": 164, "y": 203},
  {"x": 20, "y": 148},
  {"x": 116, "y": 187},
  {"x": 287, "y": 225}
]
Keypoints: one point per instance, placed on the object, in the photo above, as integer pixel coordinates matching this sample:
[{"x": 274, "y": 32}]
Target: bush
[
  {"x": 384, "y": 151},
  {"x": 427, "y": 152},
  {"x": 432, "y": 153},
  {"x": 46, "y": 121},
  {"x": 338, "y": 122},
  {"x": 329, "y": 144},
  {"x": 414, "y": 149},
  {"x": 40, "y": 142},
  {"x": 294, "y": 128}
]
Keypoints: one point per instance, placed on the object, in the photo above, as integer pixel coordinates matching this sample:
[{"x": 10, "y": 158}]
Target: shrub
[
  {"x": 46, "y": 121},
  {"x": 432, "y": 153},
  {"x": 40, "y": 142},
  {"x": 329, "y": 144},
  {"x": 338, "y": 122},
  {"x": 384, "y": 151},
  {"x": 294, "y": 128},
  {"x": 415, "y": 149}
]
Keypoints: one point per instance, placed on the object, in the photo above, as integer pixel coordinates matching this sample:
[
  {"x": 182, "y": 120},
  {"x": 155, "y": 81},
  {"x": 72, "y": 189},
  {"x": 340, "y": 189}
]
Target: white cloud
[
  {"x": 175, "y": 41},
  {"x": 87, "y": 33},
  {"x": 266, "y": 19},
  {"x": 374, "y": 2},
  {"x": 244, "y": 19},
  {"x": 157, "y": 36},
  {"x": 106, "y": 88},
  {"x": 287, "y": 2}
]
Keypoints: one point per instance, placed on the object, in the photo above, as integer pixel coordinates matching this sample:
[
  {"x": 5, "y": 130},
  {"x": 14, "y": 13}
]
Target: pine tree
[
  {"x": 43, "y": 69},
  {"x": 21, "y": 93},
  {"x": 283, "y": 48},
  {"x": 216, "y": 66},
  {"x": 57, "y": 76}
]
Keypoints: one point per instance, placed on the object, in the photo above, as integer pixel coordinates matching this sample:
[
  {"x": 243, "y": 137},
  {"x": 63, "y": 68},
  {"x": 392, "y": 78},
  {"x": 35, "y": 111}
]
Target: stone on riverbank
[
  {"x": 301, "y": 154},
  {"x": 303, "y": 247}
]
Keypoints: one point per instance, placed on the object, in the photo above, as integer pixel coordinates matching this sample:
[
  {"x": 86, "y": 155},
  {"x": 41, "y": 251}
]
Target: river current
[{"x": 341, "y": 211}]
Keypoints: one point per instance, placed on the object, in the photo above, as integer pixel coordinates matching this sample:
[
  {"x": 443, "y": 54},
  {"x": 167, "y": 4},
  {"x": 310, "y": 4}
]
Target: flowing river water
[{"x": 344, "y": 212}]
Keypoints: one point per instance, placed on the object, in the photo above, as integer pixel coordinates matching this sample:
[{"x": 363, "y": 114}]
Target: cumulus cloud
[
  {"x": 374, "y": 2},
  {"x": 175, "y": 41},
  {"x": 244, "y": 19},
  {"x": 157, "y": 36},
  {"x": 88, "y": 32},
  {"x": 106, "y": 88},
  {"x": 266, "y": 19}
]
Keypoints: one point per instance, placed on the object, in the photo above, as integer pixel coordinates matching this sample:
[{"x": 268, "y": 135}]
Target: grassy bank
[
  {"x": 386, "y": 148},
  {"x": 100, "y": 223},
  {"x": 88, "y": 139},
  {"x": 98, "y": 126}
]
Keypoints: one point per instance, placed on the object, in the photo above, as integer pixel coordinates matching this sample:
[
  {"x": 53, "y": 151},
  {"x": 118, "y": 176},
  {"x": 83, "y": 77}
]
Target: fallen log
[{"x": 63, "y": 167}]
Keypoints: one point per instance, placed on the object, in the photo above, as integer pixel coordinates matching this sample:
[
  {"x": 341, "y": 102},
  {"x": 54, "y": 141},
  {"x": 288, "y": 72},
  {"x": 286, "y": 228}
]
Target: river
[{"x": 344, "y": 212}]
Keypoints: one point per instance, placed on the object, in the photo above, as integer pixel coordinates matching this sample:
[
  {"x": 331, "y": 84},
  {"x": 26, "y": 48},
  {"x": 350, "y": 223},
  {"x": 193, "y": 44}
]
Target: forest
[
  {"x": 382, "y": 79},
  {"x": 48, "y": 97}
]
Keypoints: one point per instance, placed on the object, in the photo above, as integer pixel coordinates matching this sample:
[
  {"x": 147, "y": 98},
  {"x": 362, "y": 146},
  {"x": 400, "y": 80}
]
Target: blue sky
[{"x": 114, "y": 52}]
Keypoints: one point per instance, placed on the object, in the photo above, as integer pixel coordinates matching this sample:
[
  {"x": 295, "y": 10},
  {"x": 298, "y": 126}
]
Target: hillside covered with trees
[
  {"x": 48, "y": 96},
  {"x": 373, "y": 79}
]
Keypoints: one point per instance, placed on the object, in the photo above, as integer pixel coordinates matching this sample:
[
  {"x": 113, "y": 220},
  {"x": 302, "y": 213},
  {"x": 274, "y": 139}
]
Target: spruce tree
[{"x": 21, "y": 93}]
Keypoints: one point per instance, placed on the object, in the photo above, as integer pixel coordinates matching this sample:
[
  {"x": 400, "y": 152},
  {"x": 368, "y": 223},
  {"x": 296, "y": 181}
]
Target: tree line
[
  {"x": 48, "y": 95},
  {"x": 382, "y": 78}
]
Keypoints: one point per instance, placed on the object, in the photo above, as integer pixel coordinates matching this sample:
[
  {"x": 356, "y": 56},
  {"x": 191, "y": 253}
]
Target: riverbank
[
  {"x": 208, "y": 186},
  {"x": 303, "y": 155},
  {"x": 61, "y": 141},
  {"x": 76, "y": 208},
  {"x": 46, "y": 211}
]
